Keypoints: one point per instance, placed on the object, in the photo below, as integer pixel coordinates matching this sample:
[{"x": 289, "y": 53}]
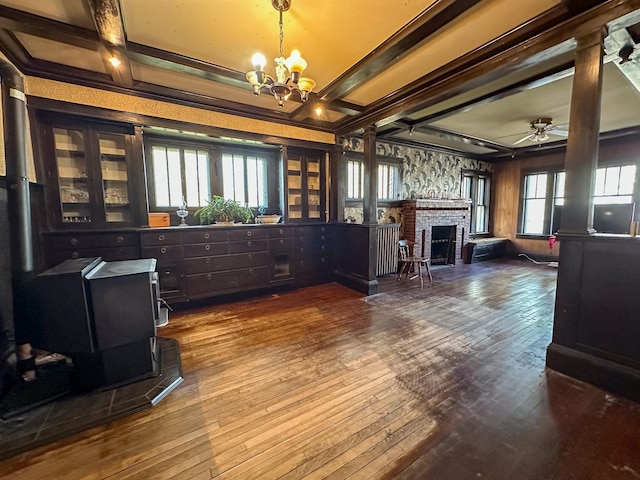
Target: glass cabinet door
[
  {"x": 313, "y": 187},
  {"x": 294, "y": 173},
  {"x": 73, "y": 179},
  {"x": 115, "y": 182}
]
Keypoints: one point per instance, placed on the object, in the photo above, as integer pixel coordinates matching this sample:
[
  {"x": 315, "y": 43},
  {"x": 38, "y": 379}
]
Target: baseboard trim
[
  {"x": 612, "y": 376},
  {"x": 368, "y": 287}
]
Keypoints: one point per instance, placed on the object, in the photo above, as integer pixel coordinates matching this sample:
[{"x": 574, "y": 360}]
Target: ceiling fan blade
[
  {"x": 525, "y": 138},
  {"x": 559, "y": 133}
]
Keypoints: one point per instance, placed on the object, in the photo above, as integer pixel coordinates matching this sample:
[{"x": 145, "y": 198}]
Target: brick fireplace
[{"x": 420, "y": 216}]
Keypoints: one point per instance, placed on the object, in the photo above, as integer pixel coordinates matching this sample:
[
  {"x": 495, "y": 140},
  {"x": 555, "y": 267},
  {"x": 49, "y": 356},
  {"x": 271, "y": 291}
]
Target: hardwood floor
[{"x": 447, "y": 382}]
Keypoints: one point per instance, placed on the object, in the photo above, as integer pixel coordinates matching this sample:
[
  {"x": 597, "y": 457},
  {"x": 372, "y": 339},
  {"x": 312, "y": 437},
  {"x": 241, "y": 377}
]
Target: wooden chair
[{"x": 408, "y": 261}]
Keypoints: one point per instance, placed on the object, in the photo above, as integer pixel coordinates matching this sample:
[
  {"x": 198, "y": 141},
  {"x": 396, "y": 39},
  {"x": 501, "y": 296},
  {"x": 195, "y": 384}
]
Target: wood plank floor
[{"x": 442, "y": 383}]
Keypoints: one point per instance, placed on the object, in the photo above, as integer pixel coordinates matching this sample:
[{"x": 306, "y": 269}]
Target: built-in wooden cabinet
[
  {"x": 202, "y": 262},
  {"x": 306, "y": 180},
  {"x": 90, "y": 169}
]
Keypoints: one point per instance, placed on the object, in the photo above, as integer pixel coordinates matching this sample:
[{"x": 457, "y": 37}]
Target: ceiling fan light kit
[
  {"x": 540, "y": 130},
  {"x": 282, "y": 86}
]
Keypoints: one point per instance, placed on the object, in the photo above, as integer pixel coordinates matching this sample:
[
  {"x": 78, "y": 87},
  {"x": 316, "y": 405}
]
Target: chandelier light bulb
[{"x": 259, "y": 61}]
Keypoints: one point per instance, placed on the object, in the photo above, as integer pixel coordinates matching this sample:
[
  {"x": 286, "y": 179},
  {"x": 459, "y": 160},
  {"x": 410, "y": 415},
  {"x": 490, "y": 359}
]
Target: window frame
[
  {"x": 475, "y": 176},
  {"x": 215, "y": 151},
  {"x": 388, "y": 161},
  {"x": 550, "y": 201}
]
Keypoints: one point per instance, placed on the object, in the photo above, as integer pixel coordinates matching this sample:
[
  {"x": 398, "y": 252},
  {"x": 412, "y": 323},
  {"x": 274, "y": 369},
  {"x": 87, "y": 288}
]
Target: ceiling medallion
[{"x": 282, "y": 86}]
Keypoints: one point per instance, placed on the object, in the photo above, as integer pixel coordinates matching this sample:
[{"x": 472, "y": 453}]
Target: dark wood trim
[
  {"x": 174, "y": 62},
  {"x": 550, "y": 76},
  {"x": 538, "y": 40},
  {"x": 19, "y": 21},
  {"x": 435, "y": 148},
  {"x": 398, "y": 46},
  {"x": 107, "y": 18},
  {"x": 460, "y": 137},
  {"x": 13, "y": 49}
]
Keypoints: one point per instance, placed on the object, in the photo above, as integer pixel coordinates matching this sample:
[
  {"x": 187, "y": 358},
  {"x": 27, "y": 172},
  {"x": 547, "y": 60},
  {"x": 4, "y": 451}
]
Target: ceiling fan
[{"x": 541, "y": 128}]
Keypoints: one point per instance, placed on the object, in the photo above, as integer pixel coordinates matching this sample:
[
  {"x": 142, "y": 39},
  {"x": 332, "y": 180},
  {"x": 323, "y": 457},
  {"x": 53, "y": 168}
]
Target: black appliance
[{"x": 102, "y": 315}]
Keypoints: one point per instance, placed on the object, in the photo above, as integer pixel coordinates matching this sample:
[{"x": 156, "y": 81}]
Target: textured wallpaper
[{"x": 425, "y": 174}]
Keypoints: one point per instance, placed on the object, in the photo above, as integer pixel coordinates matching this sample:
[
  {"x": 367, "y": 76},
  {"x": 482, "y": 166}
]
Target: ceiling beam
[
  {"x": 488, "y": 63},
  {"x": 466, "y": 139},
  {"x": 107, "y": 18},
  {"x": 398, "y": 46},
  {"x": 540, "y": 80},
  {"x": 37, "y": 26},
  {"x": 177, "y": 63}
]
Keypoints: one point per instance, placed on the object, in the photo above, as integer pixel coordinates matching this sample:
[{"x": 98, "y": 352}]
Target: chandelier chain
[{"x": 281, "y": 36}]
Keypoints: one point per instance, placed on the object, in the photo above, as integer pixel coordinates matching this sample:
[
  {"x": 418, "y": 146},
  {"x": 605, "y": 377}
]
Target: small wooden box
[{"x": 159, "y": 220}]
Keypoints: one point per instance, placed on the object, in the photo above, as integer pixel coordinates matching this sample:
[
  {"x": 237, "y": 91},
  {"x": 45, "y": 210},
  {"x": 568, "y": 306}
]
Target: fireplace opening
[{"x": 443, "y": 245}]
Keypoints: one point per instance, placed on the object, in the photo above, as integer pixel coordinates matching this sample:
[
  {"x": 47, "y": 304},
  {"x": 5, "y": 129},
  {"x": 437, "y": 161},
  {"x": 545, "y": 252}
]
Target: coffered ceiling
[{"x": 466, "y": 75}]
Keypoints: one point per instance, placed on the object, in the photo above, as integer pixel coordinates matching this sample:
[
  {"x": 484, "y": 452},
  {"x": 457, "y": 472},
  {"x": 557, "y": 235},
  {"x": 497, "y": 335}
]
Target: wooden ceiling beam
[
  {"x": 18, "y": 21},
  {"x": 545, "y": 78},
  {"x": 397, "y": 47},
  {"x": 460, "y": 137},
  {"x": 490, "y": 62},
  {"x": 107, "y": 18},
  {"x": 177, "y": 63}
]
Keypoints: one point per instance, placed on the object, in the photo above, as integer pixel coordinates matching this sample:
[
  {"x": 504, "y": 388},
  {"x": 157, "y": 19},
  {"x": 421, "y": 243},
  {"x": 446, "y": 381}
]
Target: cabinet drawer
[
  {"x": 279, "y": 232},
  {"x": 249, "y": 246},
  {"x": 107, "y": 254},
  {"x": 247, "y": 233},
  {"x": 318, "y": 263},
  {"x": 205, "y": 249},
  {"x": 320, "y": 239},
  {"x": 211, "y": 283},
  {"x": 160, "y": 238},
  {"x": 170, "y": 252},
  {"x": 204, "y": 236},
  {"x": 82, "y": 241},
  {"x": 169, "y": 276},
  {"x": 315, "y": 230},
  {"x": 280, "y": 243},
  {"x": 226, "y": 262}
]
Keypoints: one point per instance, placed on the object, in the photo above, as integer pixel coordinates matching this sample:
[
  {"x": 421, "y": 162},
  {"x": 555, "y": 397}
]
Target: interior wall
[
  {"x": 424, "y": 173},
  {"x": 506, "y": 189},
  {"x": 51, "y": 89}
]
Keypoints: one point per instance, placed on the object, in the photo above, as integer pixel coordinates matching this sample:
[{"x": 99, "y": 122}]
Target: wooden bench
[{"x": 482, "y": 249}]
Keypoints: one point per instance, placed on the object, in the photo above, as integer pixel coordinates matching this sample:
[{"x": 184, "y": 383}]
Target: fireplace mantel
[{"x": 419, "y": 216}]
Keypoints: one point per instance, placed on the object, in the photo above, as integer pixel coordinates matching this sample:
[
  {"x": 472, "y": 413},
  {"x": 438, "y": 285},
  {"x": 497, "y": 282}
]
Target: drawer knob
[
  {"x": 281, "y": 231},
  {"x": 163, "y": 250},
  {"x": 250, "y": 256},
  {"x": 207, "y": 247},
  {"x": 208, "y": 276},
  {"x": 248, "y": 244},
  {"x": 73, "y": 241},
  {"x": 251, "y": 271},
  {"x": 75, "y": 255},
  {"x": 282, "y": 241},
  {"x": 167, "y": 272},
  {"x": 249, "y": 233},
  {"x": 206, "y": 236},
  {"x": 321, "y": 237},
  {"x": 207, "y": 260},
  {"x": 161, "y": 238},
  {"x": 120, "y": 239}
]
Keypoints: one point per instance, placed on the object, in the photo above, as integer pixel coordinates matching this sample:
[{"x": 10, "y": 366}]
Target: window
[
  {"x": 355, "y": 179},
  {"x": 170, "y": 186},
  {"x": 543, "y": 199},
  {"x": 195, "y": 171},
  {"x": 388, "y": 180},
  {"x": 244, "y": 178},
  {"x": 614, "y": 185},
  {"x": 476, "y": 186}
]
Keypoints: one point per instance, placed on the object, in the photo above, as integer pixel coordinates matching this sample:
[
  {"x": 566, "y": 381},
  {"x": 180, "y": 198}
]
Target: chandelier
[{"x": 282, "y": 86}]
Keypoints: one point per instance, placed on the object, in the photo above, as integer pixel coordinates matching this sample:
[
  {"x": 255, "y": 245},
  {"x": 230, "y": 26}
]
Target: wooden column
[
  {"x": 581, "y": 159},
  {"x": 336, "y": 182},
  {"x": 370, "y": 193}
]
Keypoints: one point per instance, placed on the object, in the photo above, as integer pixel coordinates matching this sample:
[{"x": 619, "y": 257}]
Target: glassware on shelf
[{"x": 182, "y": 213}]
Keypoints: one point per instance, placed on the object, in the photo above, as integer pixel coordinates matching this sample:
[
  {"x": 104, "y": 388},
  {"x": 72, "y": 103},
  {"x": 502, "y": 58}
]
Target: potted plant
[{"x": 223, "y": 210}]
